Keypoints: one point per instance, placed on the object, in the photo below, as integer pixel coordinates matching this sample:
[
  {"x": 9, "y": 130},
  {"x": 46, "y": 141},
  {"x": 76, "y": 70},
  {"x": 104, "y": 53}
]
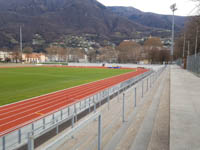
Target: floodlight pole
[
  {"x": 188, "y": 48},
  {"x": 20, "y": 30},
  {"x": 184, "y": 46},
  {"x": 173, "y": 8},
  {"x": 196, "y": 43}
]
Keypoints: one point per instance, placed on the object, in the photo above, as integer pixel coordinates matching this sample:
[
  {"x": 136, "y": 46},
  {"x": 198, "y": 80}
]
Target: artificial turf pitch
[{"x": 21, "y": 83}]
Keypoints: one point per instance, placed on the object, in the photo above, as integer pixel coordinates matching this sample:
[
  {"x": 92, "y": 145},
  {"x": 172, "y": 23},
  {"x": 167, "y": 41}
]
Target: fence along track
[
  {"x": 29, "y": 116},
  {"x": 193, "y": 63}
]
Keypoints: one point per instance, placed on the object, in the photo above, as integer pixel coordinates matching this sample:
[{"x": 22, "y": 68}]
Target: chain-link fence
[
  {"x": 193, "y": 63},
  {"x": 179, "y": 62}
]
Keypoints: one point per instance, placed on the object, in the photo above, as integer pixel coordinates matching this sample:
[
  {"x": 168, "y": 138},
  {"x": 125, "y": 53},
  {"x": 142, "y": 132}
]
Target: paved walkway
[{"x": 184, "y": 110}]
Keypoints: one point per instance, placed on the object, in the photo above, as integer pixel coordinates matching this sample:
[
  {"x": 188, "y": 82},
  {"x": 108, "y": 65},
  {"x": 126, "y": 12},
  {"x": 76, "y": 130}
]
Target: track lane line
[{"x": 123, "y": 79}]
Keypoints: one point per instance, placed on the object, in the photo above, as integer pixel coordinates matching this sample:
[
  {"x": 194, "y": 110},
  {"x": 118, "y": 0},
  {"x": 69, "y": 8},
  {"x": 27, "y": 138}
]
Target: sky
[{"x": 185, "y": 7}]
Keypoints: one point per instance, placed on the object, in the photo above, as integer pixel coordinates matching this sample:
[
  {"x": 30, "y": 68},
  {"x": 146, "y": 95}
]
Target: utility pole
[
  {"x": 20, "y": 32},
  {"x": 196, "y": 44},
  {"x": 188, "y": 48},
  {"x": 184, "y": 46},
  {"x": 173, "y": 8}
]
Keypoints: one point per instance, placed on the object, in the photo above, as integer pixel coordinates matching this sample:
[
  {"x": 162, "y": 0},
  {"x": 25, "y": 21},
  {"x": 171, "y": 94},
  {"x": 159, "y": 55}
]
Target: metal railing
[
  {"x": 20, "y": 136},
  {"x": 60, "y": 140},
  {"x": 70, "y": 133}
]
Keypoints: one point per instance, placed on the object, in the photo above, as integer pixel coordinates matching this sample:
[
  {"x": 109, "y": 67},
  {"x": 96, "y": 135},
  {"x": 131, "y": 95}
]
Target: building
[
  {"x": 34, "y": 58},
  {"x": 5, "y": 55}
]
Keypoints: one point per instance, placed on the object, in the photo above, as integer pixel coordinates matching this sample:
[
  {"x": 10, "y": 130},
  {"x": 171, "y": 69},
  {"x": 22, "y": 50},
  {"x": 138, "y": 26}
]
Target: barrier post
[
  {"x": 118, "y": 94},
  {"x": 94, "y": 104},
  {"x": 68, "y": 110},
  {"x": 4, "y": 142},
  {"x": 150, "y": 81},
  {"x": 33, "y": 128},
  {"x": 108, "y": 100},
  {"x": 142, "y": 88},
  {"x": 85, "y": 103},
  {"x": 123, "y": 108},
  {"x": 100, "y": 98},
  {"x": 99, "y": 132},
  {"x": 80, "y": 107},
  {"x": 75, "y": 111},
  {"x": 89, "y": 106},
  {"x": 61, "y": 114},
  {"x": 30, "y": 141},
  {"x": 135, "y": 97},
  {"x": 57, "y": 127},
  {"x": 19, "y": 136},
  {"x": 53, "y": 118},
  {"x": 43, "y": 123},
  {"x": 72, "y": 120}
]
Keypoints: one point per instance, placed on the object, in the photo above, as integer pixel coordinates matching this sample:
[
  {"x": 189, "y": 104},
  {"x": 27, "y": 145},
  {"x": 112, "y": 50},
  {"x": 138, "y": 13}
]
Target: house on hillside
[{"x": 34, "y": 58}]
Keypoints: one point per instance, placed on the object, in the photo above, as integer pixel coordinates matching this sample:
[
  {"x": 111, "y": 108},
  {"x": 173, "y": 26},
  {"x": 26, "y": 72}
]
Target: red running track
[{"x": 17, "y": 115}]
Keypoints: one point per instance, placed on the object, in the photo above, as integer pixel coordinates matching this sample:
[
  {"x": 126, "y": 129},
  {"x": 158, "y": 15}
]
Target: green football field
[{"x": 21, "y": 83}]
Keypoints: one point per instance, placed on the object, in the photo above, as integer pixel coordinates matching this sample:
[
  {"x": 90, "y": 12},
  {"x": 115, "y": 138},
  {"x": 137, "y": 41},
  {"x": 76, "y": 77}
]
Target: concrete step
[
  {"x": 123, "y": 139},
  {"x": 145, "y": 138}
]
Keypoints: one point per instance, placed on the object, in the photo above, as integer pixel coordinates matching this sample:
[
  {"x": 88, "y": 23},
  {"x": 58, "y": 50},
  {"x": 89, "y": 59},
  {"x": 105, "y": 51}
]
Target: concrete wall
[{"x": 154, "y": 67}]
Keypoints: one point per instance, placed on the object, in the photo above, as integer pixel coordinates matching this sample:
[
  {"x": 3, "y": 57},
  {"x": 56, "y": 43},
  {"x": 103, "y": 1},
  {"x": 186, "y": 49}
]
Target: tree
[
  {"x": 153, "y": 42},
  {"x": 76, "y": 54},
  {"x": 16, "y": 54},
  {"x": 153, "y": 47},
  {"x": 28, "y": 50},
  {"x": 129, "y": 52},
  {"x": 58, "y": 53},
  {"x": 191, "y": 32},
  {"x": 92, "y": 56},
  {"x": 107, "y": 54}
]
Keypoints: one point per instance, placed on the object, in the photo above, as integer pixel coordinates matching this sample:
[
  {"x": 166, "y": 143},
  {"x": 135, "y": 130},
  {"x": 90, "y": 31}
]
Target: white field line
[
  {"x": 42, "y": 101},
  {"x": 38, "y": 118},
  {"x": 62, "y": 97},
  {"x": 28, "y": 100},
  {"x": 31, "y": 114}
]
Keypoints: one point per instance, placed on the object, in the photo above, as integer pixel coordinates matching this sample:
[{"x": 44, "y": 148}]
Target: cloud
[{"x": 156, "y": 6}]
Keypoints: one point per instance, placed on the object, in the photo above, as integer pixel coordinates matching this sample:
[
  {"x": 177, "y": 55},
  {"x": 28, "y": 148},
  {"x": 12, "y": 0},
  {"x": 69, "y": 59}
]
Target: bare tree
[
  {"x": 152, "y": 47},
  {"x": 16, "y": 54},
  {"x": 191, "y": 35},
  {"x": 107, "y": 54},
  {"x": 129, "y": 52},
  {"x": 28, "y": 50},
  {"x": 58, "y": 53}
]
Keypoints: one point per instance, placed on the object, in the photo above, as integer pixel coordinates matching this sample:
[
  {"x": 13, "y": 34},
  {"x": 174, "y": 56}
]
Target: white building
[
  {"x": 5, "y": 55},
  {"x": 34, "y": 58}
]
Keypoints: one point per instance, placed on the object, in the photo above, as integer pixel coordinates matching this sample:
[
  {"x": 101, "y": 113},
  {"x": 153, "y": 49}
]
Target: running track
[{"x": 19, "y": 114}]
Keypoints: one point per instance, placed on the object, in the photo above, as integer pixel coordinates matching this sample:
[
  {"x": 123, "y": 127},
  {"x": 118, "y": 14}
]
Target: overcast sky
[{"x": 185, "y": 7}]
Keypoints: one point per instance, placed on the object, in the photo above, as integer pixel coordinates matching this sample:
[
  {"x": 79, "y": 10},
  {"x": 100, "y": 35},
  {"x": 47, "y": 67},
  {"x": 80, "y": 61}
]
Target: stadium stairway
[{"x": 147, "y": 128}]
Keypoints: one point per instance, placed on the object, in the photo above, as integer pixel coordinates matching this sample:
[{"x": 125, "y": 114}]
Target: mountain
[
  {"x": 53, "y": 19},
  {"x": 149, "y": 19}
]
